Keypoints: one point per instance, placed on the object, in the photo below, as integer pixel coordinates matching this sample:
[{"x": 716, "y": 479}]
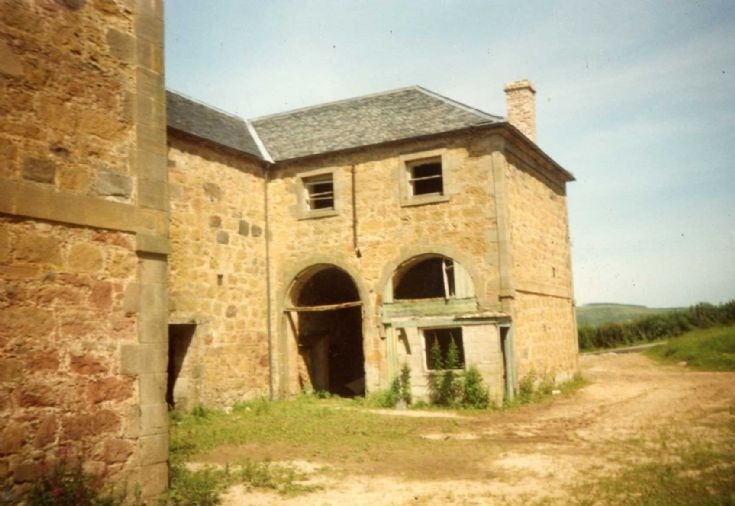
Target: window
[
  {"x": 444, "y": 348},
  {"x": 425, "y": 177},
  {"x": 319, "y": 192}
]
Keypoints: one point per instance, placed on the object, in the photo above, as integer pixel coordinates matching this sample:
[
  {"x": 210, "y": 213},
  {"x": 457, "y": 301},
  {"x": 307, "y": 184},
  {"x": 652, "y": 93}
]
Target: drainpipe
[
  {"x": 266, "y": 234},
  {"x": 355, "y": 246}
]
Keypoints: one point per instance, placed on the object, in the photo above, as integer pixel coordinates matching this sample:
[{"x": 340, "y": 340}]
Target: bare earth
[{"x": 538, "y": 451}]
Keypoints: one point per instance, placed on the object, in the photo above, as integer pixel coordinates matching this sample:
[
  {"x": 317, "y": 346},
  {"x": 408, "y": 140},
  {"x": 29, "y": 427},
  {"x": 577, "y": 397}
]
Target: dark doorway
[
  {"x": 329, "y": 331},
  {"x": 506, "y": 349},
  {"x": 179, "y": 340}
]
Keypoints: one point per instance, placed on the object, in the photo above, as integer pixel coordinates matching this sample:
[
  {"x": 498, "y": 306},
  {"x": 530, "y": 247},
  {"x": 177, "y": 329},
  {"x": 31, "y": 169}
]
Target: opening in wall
[
  {"x": 425, "y": 177},
  {"x": 319, "y": 192},
  {"x": 178, "y": 388},
  {"x": 444, "y": 348}
]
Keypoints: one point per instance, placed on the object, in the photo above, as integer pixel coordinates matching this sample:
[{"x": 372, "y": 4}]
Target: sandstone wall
[
  {"x": 218, "y": 271},
  {"x": 543, "y": 309},
  {"x": 388, "y": 233},
  {"x": 83, "y": 237}
]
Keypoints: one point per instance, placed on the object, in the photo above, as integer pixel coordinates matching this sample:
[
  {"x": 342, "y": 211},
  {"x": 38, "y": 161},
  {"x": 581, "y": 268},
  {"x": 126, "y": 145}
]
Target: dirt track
[{"x": 630, "y": 403}]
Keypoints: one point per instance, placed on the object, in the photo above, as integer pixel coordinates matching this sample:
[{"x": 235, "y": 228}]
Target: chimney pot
[{"x": 521, "y": 103}]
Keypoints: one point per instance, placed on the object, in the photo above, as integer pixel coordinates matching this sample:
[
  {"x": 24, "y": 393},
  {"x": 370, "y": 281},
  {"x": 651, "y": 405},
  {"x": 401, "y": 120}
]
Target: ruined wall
[
  {"x": 543, "y": 307},
  {"x": 218, "y": 271},
  {"x": 461, "y": 227},
  {"x": 82, "y": 240}
]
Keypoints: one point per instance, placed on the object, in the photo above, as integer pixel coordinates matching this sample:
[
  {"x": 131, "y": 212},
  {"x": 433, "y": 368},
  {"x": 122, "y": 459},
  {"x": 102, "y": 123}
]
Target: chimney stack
[{"x": 521, "y": 103}]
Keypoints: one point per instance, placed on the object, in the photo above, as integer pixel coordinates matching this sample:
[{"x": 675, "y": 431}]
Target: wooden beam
[{"x": 325, "y": 307}]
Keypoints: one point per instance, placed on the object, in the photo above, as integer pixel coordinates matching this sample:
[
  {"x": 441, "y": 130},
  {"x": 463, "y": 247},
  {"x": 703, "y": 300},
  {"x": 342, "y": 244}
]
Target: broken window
[
  {"x": 319, "y": 192},
  {"x": 425, "y": 177},
  {"x": 444, "y": 348},
  {"x": 430, "y": 278}
]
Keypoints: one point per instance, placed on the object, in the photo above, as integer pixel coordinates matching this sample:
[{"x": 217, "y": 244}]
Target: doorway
[
  {"x": 178, "y": 384},
  {"x": 326, "y": 321}
]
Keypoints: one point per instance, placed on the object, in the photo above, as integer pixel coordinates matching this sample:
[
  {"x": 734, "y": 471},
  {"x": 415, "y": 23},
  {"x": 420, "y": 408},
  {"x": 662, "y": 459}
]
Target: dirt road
[{"x": 537, "y": 452}]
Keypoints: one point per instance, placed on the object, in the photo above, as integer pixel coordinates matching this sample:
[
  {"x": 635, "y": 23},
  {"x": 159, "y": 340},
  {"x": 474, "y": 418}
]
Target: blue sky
[{"x": 635, "y": 98}]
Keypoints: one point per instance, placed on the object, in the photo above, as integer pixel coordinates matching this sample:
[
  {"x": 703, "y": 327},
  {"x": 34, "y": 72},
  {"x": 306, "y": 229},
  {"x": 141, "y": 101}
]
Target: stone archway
[{"x": 324, "y": 317}]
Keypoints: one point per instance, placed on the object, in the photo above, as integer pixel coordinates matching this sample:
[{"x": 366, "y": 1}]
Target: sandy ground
[{"x": 629, "y": 403}]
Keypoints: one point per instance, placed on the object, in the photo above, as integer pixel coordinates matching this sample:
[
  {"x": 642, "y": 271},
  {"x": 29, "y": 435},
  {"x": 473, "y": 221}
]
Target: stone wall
[
  {"x": 218, "y": 272},
  {"x": 543, "y": 307},
  {"x": 388, "y": 233},
  {"x": 83, "y": 237}
]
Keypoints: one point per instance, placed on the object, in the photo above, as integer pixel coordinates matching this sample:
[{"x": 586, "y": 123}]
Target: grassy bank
[{"x": 705, "y": 349}]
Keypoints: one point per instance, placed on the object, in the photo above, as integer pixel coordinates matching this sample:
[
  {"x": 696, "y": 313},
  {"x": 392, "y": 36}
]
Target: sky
[{"x": 635, "y": 98}]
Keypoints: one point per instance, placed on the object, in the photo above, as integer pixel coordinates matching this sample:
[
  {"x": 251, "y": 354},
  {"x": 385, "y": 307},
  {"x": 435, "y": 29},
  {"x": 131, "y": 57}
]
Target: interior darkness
[
  {"x": 328, "y": 286},
  {"x": 323, "y": 201},
  {"x": 330, "y": 342},
  {"x": 424, "y": 280},
  {"x": 443, "y": 337},
  {"x": 427, "y": 170},
  {"x": 179, "y": 339}
]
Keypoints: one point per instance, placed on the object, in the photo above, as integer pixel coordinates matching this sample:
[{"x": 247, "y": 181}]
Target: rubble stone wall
[
  {"x": 83, "y": 240},
  {"x": 217, "y": 271}
]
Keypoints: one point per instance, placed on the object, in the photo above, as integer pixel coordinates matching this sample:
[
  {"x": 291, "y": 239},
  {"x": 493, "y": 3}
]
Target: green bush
[
  {"x": 655, "y": 327},
  {"x": 474, "y": 393},
  {"x": 67, "y": 484}
]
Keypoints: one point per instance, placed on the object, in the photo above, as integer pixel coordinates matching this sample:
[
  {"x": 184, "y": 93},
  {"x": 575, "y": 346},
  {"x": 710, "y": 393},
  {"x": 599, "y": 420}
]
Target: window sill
[
  {"x": 321, "y": 213},
  {"x": 424, "y": 200}
]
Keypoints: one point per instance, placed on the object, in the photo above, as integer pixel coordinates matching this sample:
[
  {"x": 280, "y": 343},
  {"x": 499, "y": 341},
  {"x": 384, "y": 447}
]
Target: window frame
[
  {"x": 427, "y": 347},
  {"x": 408, "y": 163},
  {"x": 314, "y": 177}
]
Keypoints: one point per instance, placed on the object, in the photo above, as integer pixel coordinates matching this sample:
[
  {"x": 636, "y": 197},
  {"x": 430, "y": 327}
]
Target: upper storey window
[
  {"x": 425, "y": 177},
  {"x": 319, "y": 192}
]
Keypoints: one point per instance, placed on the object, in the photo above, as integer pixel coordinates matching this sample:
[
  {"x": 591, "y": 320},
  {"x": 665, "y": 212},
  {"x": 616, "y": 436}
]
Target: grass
[{"x": 710, "y": 349}]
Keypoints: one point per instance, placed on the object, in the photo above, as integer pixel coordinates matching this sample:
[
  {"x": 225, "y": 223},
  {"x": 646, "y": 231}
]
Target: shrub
[
  {"x": 67, "y": 484},
  {"x": 474, "y": 393},
  {"x": 405, "y": 381}
]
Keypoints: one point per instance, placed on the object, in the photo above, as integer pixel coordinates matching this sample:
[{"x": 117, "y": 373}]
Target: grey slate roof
[
  {"x": 390, "y": 116},
  {"x": 205, "y": 122}
]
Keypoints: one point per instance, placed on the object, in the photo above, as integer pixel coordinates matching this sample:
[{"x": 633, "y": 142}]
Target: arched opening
[
  {"x": 431, "y": 276},
  {"x": 325, "y": 317}
]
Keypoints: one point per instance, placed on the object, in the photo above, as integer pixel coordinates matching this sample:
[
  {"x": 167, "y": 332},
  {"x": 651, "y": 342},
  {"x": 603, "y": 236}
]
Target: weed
[{"x": 475, "y": 394}]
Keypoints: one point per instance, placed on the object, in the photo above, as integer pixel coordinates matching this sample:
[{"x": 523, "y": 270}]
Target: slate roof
[
  {"x": 206, "y": 122},
  {"x": 390, "y": 116}
]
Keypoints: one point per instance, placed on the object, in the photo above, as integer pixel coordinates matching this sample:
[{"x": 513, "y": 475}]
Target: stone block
[
  {"x": 153, "y": 388},
  {"x": 216, "y": 222},
  {"x": 244, "y": 228},
  {"x": 153, "y": 270},
  {"x": 85, "y": 258},
  {"x": 154, "y": 479},
  {"x": 38, "y": 248},
  {"x": 150, "y": 243},
  {"x": 86, "y": 365},
  {"x": 122, "y": 45},
  {"x": 12, "y": 438},
  {"x": 131, "y": 298},
  {"x": 153, "y": 448},
  {"x": 117, "y": 450},
  {"x": 39, "y": 170},
  {"x": 223, "y": 237},
  {"x": 213, "y": 191},
  {"x": 154, "y": 418},
  {"x": 10, "y": 64},
  {"x": 46, "y": 432},
  {"x": 27, "y": 471},
  {"x": 153, "y": 194},
  {"x": 109, "y": 389},
  {"x": 113, "y": 184},
  {"x": 130, "y": 359},
  {"x": 256, "y": 230}
]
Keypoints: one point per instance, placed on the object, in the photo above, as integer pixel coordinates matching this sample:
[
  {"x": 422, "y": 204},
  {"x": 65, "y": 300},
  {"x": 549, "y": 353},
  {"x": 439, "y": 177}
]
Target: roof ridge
[
  {"x": 258, "y": 142},
  {"x": 455, "y": 103},
  {"x": 204, "y": 104},
  {"x": 334, "y": 102}
]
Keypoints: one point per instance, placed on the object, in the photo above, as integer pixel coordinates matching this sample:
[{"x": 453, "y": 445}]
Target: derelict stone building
[
  {"x": 324, "y": 248},
  {"x": 154, "y": 250}
]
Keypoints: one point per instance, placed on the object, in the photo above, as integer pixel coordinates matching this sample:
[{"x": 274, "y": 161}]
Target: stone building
[
  {"x": 155, "y": 250},
  {"x": 326, "y": 247}
]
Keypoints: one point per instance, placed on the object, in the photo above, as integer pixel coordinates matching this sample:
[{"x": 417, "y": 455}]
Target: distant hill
[{"x": 605, "y": 312}]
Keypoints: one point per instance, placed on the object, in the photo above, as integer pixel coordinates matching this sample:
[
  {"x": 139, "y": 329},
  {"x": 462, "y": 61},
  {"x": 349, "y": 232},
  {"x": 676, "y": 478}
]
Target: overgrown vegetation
[
  {"x": 450, "y": 386},
  {"x": 656, "y": 327},
  {"x": 398, "y": 393},
  {"x": 531, "y": 388},
  {"x": 66, "y": 483},
  {"x": 709, "y": 349},
  {"x": 204, "y": 486}
]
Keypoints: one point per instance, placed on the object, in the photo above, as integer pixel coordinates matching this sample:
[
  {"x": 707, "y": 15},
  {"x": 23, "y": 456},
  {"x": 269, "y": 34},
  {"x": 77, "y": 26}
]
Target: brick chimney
[{"x": 521, "y": 103}]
